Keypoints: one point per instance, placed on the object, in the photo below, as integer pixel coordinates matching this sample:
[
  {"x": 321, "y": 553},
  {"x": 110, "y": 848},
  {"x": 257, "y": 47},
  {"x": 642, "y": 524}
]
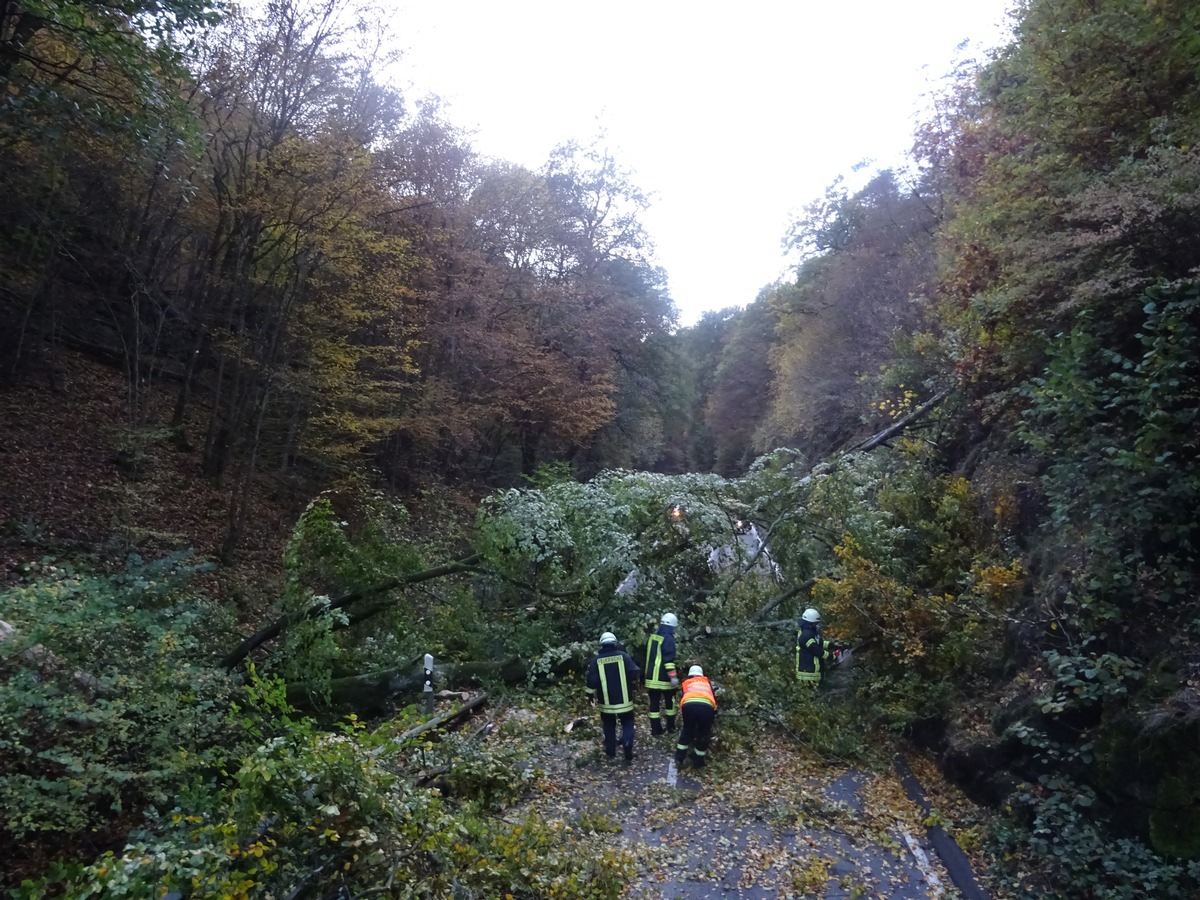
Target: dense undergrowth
[{"x": 124, "y": 730}]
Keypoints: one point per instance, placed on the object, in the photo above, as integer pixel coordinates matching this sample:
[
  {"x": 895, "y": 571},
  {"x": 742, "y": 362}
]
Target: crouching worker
[
  {"x": 698, "y": 707},
  {"x": 612, "y": 676}
]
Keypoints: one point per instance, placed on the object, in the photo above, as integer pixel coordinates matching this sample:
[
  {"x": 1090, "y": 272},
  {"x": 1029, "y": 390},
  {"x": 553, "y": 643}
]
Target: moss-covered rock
[
  {"x": 1151, "y": 767},
  {"x": 1175, "y": 821}
]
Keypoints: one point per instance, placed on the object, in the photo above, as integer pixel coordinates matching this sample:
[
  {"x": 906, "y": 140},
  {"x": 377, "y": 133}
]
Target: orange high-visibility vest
[{"x": 698, "y": 689}]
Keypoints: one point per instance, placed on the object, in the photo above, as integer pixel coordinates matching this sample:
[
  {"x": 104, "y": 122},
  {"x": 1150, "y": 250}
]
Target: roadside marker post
[{"x": 428, "y": 689}]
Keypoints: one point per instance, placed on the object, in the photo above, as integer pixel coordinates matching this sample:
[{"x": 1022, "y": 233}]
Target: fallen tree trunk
[
  {"x": 394, "y": 682},
  {"x": 728, "y": 630},
  {"x": 372, "y": 693},
  {"x": 444, "y": 719},
  {"x": 778, "y": 599},
  {"x": 276, "y": 628},
  {"x": 460, "y": 567},
  {"x": 900, "y": 424}
]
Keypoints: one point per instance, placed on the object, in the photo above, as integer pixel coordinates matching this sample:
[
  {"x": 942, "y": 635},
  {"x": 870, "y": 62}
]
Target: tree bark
[
  {"x": 728, "y": 630},
  {"x": 276, "y": 628},
  {"x": 900, "y": 424},
  {"x": 443, "y": 719},
  {"x": 373, "y": 693},
  {"x": 780, "y": 598}
]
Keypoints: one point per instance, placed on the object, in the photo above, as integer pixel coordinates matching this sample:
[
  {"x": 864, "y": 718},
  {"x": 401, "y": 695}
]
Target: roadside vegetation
[{"x": 296, "y": 388}]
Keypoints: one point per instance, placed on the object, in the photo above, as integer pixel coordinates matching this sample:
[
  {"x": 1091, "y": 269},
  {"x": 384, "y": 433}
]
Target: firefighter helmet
[
  {"x": 669, "y": 619},
  {"x": 607, "y": 638},
  {"x": 811, "y": 615},
  {"x": 694, "y": 671}
]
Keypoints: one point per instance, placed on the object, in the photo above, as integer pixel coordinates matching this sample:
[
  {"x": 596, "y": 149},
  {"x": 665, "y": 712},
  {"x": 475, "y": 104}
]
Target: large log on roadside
[{"x": 374, "y": 693}]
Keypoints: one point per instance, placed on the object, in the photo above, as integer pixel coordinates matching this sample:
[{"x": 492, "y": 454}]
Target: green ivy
[
  {"x": 108, "y": 699},
  {"x": 1119, "y": 432},
  {"x": 1065, "y": 851}
]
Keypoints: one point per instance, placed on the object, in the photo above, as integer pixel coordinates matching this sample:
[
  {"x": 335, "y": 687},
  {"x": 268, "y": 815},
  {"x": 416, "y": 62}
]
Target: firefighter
[
  {"x": 612, "y": 675},
  {"x": 698, "y": 706},
  {"x": 814, "y": 654},
  {"x": 661, "y": 678}
]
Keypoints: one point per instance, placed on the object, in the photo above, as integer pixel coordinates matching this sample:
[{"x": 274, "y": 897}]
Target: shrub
[
  {"x": 108, "y": 701},
  {"x": 346, "y": 812}
]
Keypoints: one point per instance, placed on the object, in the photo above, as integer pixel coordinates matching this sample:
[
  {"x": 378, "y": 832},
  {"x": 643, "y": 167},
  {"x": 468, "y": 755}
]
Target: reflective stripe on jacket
[
  {"x": 660, "y": 658},
  {"x": 811, "y": 649},
  {"x": 612, "y": 675},
  {"x": 698, "y": 689}
]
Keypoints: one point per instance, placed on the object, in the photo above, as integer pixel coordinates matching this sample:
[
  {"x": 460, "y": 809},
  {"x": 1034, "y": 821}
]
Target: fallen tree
[
  {"x": 277, "y": 627},
  {"x": 372, "y": 693},
  {"x": 375, "y": 691}
]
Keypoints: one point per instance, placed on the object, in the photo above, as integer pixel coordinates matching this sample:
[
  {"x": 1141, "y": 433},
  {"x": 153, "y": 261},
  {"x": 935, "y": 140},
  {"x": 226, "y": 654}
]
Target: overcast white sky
[{"x": 732, "y": 117}]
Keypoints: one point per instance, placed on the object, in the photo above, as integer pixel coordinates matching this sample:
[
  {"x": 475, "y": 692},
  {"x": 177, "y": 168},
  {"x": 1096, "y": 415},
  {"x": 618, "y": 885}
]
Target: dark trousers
[
  {"x": 698, "y": 718},
  {"x": 664, "y": 700},
  {"x": 609, "y": 721}
]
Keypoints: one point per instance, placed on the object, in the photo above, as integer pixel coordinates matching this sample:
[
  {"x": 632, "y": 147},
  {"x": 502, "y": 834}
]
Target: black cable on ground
[{"x": 947, "y": 849}]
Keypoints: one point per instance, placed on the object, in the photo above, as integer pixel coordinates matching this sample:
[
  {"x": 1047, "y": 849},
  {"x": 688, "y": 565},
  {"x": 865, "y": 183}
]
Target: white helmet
[
  {"x": 607, "y": 638},
  {"x": 694, "y": 671},
  {"x": 669, "y": 619},
  {"x": 811, "y": 615}
]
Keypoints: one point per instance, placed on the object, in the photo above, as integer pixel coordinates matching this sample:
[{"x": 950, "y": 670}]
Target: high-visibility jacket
[
  {"x": 811, "y": 651},
  {"x": 660, "y": 658},
  {"x": 613, "y": 674},
  {"x": 698, "y": 689}
]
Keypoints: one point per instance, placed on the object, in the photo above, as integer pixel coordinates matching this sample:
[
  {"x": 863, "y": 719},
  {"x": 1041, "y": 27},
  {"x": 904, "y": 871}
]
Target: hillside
[{"x": 77, "y": 483}]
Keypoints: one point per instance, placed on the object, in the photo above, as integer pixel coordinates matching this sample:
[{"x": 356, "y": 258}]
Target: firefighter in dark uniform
[
  {"x": 612, "y": 675},
  {"x": 814, "y": 654},
  {"x": 698, "y": 706},
  {"x": 661, "y": 678}
]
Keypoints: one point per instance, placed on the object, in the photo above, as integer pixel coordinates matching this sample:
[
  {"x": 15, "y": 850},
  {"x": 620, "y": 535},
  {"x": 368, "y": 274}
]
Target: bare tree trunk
[
  {"x": 240, "y": 501},
  {"x": 373, "y": 693},
  {"x": 892, "y": 430},
  {"x": 276, "y": 628},
  {"x": 189, "y": 372},
  {"x": 289, "y": 443}
]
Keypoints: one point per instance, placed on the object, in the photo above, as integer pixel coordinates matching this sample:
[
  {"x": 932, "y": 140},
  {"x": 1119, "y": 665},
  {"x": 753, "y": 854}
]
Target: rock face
[
  {"x": 1150, "y": 768},
  {"x": 981, "y": 769},
  {"x": 980, "y": 766},
  {"x": 1144, "y": 769}
]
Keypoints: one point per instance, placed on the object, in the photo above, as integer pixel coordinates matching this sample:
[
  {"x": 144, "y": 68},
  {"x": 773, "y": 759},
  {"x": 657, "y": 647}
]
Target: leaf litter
[{"x": 769, "y": 822}]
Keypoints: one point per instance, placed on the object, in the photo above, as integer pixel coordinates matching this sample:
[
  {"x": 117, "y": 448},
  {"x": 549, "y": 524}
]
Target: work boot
[
  {"x": 628, "y": 752},
  {"x": 656, "y": 728},
  {"x": 698, "y": 762}
]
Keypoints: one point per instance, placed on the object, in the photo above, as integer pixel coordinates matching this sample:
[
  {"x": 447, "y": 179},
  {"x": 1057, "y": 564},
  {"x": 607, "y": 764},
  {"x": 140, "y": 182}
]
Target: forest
[{"x": 296, "y": 387}]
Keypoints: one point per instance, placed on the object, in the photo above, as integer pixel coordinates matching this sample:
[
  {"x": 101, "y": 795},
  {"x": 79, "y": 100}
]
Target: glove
[{"x": 674, "y": 681}]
